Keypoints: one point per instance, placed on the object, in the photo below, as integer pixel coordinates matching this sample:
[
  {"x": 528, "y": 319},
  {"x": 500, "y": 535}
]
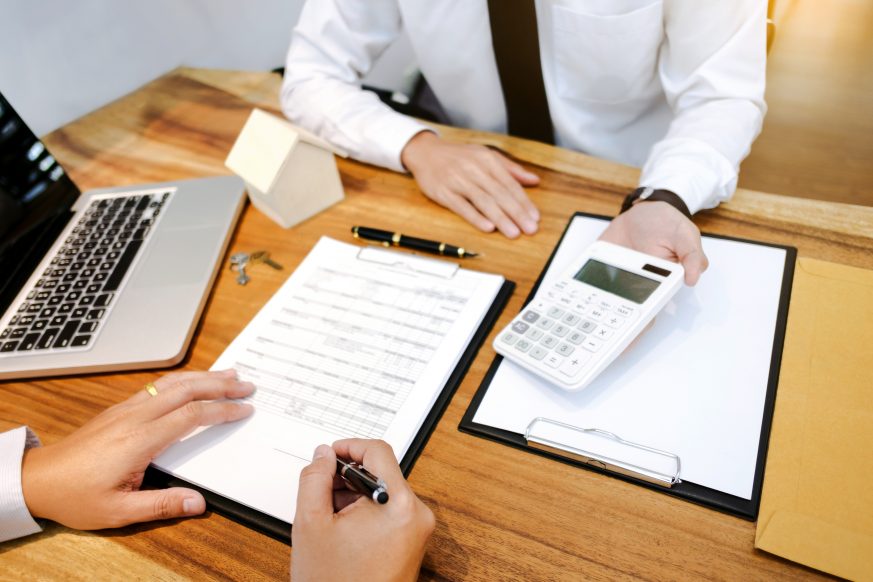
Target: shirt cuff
[
  {"x": 699, "y": 175},
  {"x": 15, "y": 519},
  {"x": 390, "y": 136}
]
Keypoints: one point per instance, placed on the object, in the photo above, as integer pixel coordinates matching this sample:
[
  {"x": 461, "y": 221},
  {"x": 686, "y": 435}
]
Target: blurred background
[{"x": 60, "y": 60}]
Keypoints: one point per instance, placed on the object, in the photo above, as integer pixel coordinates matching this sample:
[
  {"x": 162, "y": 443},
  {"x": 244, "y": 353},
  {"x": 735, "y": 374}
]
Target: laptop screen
[{"x": 35, "y": 195}]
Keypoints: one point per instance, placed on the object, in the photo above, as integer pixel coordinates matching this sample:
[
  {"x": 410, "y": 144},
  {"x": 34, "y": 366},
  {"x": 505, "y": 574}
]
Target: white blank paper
[{"x": 694, "y": 384}]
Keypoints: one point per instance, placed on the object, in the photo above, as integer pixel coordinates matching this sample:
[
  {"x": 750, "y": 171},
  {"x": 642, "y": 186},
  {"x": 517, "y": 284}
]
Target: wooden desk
[{"x": 561, "y": 523}]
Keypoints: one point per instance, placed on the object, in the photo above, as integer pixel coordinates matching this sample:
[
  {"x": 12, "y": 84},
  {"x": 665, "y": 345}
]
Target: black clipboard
[
  {"x": 745, "y": 508},
  {"x": 281, "y": 530}
]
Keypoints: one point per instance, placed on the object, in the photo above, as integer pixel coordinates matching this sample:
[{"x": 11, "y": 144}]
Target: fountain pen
[{"x": 410, "y": 242}]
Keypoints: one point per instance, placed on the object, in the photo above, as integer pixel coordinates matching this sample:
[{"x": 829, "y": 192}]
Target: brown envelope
[{"x": 817, "y": 505}]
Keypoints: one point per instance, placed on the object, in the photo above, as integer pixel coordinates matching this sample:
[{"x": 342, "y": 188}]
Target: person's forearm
[
  {"x": 703, "y": 171},
  {"x": 333, "y": 46},
  {"x": 713, "y": 73}
]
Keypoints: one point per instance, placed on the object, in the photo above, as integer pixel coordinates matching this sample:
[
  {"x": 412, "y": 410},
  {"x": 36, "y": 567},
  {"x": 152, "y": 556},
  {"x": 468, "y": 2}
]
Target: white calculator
[{"x": 573, "y": 329}]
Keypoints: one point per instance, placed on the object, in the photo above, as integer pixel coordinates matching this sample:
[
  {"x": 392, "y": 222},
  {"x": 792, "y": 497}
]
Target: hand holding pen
[
  {"x": 339, "y": 534},
  {"x": 361, "y": 480}
]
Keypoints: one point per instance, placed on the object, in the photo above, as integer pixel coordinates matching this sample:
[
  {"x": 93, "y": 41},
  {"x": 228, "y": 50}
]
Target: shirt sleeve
[
  {"x": 15, "y": 519},
  {"x": 334, "y": 44},
  {"x": 712, "y": 68}
]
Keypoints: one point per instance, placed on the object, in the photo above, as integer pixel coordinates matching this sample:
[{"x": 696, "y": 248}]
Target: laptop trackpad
[{"x": 178, "y": 257}]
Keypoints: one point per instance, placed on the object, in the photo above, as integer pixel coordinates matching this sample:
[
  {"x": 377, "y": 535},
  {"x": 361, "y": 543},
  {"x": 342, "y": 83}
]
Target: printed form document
[{"x": 359, "y": 342}]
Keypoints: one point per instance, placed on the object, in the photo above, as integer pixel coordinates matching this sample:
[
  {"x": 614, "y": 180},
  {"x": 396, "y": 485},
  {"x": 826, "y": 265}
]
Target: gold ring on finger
[{"x": 150, "y": 388}]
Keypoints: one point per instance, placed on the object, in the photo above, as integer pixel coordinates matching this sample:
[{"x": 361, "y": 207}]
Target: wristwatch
[{"x": 650, "y": 194}]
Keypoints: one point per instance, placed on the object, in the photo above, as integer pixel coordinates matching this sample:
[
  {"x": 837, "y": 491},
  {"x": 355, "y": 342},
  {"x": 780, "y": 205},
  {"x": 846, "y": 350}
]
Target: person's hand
[
  {"x": 362, "y": 540},
  {"x": 91, "y": 479},
  {"x": 479, "y": 184},
  {"x": 659, "y": 229}
]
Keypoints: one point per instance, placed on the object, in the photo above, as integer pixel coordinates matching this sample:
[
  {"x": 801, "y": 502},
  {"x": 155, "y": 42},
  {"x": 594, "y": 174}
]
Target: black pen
[
  {"x": 362, "y": 481},
  {"x": 419, "y": 244}
]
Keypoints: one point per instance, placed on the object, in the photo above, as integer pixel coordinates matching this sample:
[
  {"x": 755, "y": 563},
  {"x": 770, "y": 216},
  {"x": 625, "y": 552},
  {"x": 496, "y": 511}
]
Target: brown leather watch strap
[{"x": 652, "y": 195}]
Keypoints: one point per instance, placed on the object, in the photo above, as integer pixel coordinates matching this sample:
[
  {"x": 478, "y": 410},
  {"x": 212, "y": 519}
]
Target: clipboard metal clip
[
  {"x": 661, "y": 467},
  {"x": 404, "y": 262}
]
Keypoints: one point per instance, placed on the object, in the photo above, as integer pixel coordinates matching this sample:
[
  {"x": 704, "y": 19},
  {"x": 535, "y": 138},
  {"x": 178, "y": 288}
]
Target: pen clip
[{"x": 406, "y": 263}]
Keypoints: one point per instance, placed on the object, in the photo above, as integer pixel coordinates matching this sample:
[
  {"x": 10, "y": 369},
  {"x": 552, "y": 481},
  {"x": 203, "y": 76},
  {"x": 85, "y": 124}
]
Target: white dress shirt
[
  {"x": 673, "y": 86},
  {"x": 15, "y": 519}
]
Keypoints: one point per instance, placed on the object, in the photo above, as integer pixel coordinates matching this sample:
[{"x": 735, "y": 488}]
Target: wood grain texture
[{"x": 557, "y": 522}]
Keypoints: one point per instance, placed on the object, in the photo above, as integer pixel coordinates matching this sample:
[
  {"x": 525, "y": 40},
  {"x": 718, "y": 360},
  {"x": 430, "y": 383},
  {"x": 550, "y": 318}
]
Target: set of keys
[{"x": 239, "y": 262}]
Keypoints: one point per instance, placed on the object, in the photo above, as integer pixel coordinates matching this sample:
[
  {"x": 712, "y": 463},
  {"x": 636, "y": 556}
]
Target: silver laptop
[{"x": 110, "y": 279}]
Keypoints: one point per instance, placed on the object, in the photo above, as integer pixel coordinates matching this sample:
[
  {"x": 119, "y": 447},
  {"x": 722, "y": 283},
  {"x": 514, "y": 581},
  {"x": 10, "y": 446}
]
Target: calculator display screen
[{"x": 623, "y": 283}]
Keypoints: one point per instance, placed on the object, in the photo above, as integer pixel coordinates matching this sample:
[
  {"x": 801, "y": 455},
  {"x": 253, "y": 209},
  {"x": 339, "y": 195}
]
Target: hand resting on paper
[
  {"x": 91, "y": 479},
  {"x": 341, "y": 535}
]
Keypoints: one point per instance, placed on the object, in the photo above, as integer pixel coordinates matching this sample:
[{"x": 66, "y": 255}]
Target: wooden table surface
[{"x": 558, "y": 523}]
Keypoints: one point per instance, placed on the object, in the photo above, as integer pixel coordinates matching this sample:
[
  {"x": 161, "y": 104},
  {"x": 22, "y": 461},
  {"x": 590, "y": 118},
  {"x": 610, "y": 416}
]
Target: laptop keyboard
[{"x": 66, "y": 307}]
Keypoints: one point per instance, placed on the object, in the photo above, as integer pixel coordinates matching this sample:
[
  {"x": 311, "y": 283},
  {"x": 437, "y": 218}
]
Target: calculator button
[
  {"x": 606, "y": 305},
  {"x": 581, "y": 307},
  {"x": 560, "y": 330},
  {"x": 565, "y": 349},
  {"x": 604, "y": 333},
  {"x": 523, "y": 345},
  {"x": 613, "y": 321},
  {"x": 509, "y": 338},
  {"x": 530, "y": 316},
  {"x": 539, "y": 306},
  {"x": 549, "y": 341},
  {"x": 555, "y": 313},
  {"x": 597, "y": 314},
  {"x": 553, "y": 360},
  {"x": 520, "y": 327},
  {"x": 566, "y": 300},
  {"x": 592, "y": 344},
  {"x": 587, "y": 326},
  {"x": 545, "y": 323},
  {"x": 538, "y": 352},
  {"x": 572, "y": 319},
  {"x": 533, "y": 334},
  {"x": 572, "y": 366},
  {"x": 553, "y": 294},
  {"x": 623, "y": 310},
  {"x": 576, "y": 338}
]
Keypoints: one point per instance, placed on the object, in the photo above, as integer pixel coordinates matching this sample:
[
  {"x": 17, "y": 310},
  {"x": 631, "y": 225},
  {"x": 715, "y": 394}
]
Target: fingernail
[
  {"x": 320, "y": 451},
  {"x": 530, "y": 227},
  {"x": 249, "y": 385},
  {"x": 230, "y": 372},
  {"x": 193, "y": 506}
]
